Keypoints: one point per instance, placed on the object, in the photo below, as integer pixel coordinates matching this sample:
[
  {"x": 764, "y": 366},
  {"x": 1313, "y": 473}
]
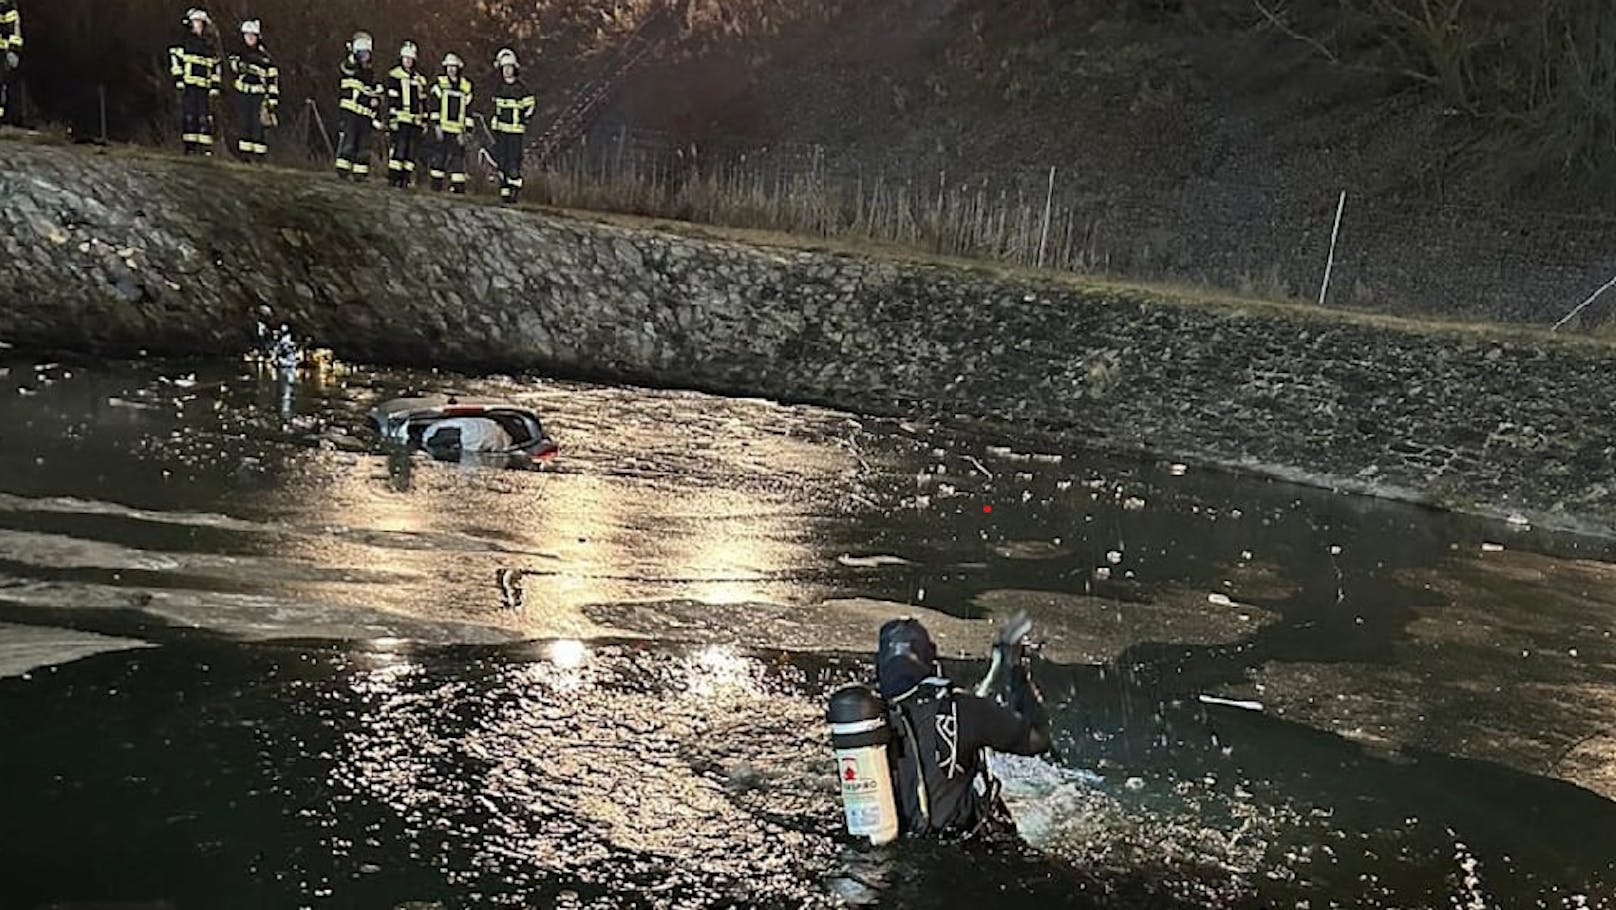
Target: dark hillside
[{"x": 1203, "y": 142}]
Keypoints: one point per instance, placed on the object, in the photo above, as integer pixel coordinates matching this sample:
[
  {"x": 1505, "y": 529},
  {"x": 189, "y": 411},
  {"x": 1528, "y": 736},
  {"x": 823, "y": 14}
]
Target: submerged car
[{"x": 457, "y": 429}]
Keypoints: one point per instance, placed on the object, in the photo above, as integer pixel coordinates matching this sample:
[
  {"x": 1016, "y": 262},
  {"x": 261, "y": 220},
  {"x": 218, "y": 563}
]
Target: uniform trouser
[
  {"x": 449, "y": 162},
  {"x": 508, "y": 158},
  {"x": 406, "y": 144},
  {"x": 196, "y": 120},
  {"x": 353, "y": 146},
  {"x": 250, "y": 121}
]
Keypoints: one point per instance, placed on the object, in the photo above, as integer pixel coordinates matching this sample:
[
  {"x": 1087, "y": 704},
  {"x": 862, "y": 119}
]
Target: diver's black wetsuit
[{"x": 938, "y": 765}]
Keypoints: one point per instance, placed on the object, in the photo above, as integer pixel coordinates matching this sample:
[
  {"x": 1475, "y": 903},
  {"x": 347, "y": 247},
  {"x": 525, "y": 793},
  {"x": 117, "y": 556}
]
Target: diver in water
[{"x": 941, "y": 732}]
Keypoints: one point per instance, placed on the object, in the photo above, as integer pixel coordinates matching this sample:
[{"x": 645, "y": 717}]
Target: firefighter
[
  {"x": 194, "y": 64},
  {"x": 258, "y": 91},
  {"x": 450, "y": 113},
  {"x": 513, "y": 108},
  {"x": 10, "y": 50},
  {"x": 360, "y": 103},
  {"x": 406, "y": 117}
]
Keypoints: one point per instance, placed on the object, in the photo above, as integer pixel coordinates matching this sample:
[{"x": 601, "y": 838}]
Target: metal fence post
[
  {"x": 1335, "y": 234},
  {"x": 1583, "y": 305},
  {"x": 1049, "y": 203}
]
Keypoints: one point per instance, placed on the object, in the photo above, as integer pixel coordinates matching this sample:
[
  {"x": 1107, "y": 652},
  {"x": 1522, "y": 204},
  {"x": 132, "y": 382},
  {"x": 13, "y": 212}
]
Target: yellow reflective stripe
[{"x": 196, "y": 70}]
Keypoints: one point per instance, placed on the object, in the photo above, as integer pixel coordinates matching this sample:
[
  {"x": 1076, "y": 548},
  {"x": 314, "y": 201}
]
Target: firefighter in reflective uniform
[
  {"x": 449, "y": 109},
  {"x": 406, "y": 117},
  {"x": 10, "y": 50},
  {"x": 360, "y": 103},
  {"x": 258, "y": 91},
  {"x": 194, "y": 64},
  {"x": 513, "y": 108}
]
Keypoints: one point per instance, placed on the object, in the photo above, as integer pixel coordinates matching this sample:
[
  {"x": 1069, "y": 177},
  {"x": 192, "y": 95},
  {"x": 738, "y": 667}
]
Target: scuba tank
[{"x": 859, "y": 733}]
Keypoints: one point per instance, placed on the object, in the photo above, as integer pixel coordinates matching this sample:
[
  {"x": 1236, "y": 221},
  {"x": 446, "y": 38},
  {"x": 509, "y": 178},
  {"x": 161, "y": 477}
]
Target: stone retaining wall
[{"x": 112, "y": 251}]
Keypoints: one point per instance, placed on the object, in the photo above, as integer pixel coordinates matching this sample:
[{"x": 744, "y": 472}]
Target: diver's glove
[
  {"x": 1010, "y": 645},
  {"x": 1008, "y": 652},
  {"x": 1011, "y": 648}
]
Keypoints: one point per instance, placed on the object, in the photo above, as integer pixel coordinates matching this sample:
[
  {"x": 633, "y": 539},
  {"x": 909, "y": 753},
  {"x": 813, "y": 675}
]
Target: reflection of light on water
[
  {"x": 728, "y": 593},
  {"x": 568, "y": 653},
  {"x": 580, "y": 517},
  {"x": 716, "y": 669},
  {"x": 728, "y": 567},
  {"x": 523, "y": 780},
  {"x": 559, "y": 675}
]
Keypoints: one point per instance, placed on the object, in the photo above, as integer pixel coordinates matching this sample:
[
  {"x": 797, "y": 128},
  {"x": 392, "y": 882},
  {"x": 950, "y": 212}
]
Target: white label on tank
[{"x": 861, "y": 790}]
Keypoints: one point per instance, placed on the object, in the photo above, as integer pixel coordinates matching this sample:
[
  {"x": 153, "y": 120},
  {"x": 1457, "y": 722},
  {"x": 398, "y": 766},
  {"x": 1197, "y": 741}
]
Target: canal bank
[{"x": 117, "y": 252}]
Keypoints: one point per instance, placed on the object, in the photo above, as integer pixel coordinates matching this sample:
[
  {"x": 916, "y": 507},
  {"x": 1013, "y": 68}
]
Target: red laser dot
[{"x": 987, "y": 508}]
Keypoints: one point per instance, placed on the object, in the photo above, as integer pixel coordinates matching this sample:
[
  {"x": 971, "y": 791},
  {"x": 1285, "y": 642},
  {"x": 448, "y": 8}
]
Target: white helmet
[
  {"x": 409, "y": 50},
  {"x": 506, "y": 57},
  {"x": 453, "y": 60},
  {"x": 252, "y": 27},
  {"x": 195, "y": 14},
  {"x": 362, "y": 43}
]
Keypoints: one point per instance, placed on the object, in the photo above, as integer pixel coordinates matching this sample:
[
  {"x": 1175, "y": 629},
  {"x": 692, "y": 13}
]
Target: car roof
[{"x": 435, "y": 405}]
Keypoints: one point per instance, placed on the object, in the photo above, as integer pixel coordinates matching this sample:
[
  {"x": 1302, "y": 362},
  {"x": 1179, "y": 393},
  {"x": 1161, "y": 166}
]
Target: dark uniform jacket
[
  {"x": 406, "y": 97},
  {"x": 256, "y": 74},
  {"x": 194, "y": 63},
  {"x": 449, "y": 105},
  {"x": 10, "y": 30},
  {"x": 513, "y": 107},
  {"x": 359, "y": 92}
]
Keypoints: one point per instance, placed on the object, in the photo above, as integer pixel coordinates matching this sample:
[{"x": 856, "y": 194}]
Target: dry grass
[
  {"x": 743, "y": 210},
  {"x": 1115, "y": 287}
]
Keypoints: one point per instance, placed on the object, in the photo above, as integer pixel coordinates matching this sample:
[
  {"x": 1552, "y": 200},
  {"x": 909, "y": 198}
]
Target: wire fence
[
  {"x": 1269, "y": 241},
  {"x": 1398, "y": 256}
]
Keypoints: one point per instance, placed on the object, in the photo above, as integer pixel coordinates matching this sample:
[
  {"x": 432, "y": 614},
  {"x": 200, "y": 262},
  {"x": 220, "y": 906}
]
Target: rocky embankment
[{"x": 115, "y": 252}]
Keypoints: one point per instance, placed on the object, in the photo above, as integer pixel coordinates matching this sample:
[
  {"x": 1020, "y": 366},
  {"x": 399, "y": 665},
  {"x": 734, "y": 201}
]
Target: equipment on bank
[{"x": 860, "y": 734}]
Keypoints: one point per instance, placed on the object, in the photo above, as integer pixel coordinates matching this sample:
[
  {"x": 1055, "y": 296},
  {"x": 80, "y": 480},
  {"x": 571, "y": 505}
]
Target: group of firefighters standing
[{"x": 424, "y": 118}]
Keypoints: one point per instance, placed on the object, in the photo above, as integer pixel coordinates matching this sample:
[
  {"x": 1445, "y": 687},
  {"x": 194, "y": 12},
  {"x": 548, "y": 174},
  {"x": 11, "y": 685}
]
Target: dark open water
[{"x": 248, "y": 661}]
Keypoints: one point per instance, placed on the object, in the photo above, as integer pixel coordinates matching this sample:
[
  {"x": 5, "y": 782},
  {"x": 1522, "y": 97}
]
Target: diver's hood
[{"x": 907, "y": 657}]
